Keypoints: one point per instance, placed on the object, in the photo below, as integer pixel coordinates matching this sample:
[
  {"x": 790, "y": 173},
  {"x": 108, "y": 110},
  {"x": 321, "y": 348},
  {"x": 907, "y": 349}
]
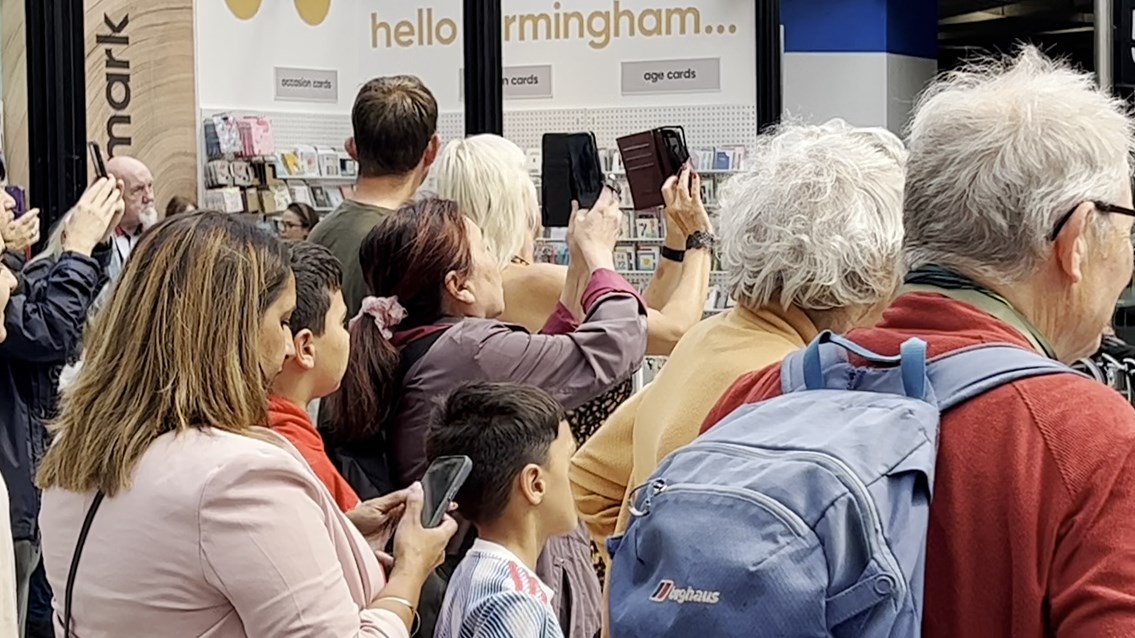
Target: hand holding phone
[{"x": 418, "y": 550}]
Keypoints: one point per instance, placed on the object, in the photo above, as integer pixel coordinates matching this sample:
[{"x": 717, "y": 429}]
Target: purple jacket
[
  {"x": 573, "y": 363},
  {"x": 574, "y": 367}
]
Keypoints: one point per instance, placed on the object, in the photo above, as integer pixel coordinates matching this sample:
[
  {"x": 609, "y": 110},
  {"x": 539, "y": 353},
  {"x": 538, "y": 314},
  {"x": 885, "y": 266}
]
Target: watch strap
[{"x": 673, "y": 254}]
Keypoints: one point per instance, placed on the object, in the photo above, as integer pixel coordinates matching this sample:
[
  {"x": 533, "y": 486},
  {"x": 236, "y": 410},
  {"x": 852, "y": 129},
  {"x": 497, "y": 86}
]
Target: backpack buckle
[{"x": 655, "y": 486}]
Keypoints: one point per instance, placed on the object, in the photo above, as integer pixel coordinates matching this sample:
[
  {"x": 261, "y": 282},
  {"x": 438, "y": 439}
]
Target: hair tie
[{"x": 386, "y": 312}]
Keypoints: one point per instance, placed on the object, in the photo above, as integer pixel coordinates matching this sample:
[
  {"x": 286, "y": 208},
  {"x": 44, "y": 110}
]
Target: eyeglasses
[
  {"x": 291, "y": 225},
  {"x": 1100, "y": 206}
]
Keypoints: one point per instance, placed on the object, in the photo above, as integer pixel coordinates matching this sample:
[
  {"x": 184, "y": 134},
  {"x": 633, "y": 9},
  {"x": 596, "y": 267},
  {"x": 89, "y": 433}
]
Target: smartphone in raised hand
[
  {"x": 20, "y": 196},
  {"x": 96, "y": 159},
  {"x": 444, "y": 477}
]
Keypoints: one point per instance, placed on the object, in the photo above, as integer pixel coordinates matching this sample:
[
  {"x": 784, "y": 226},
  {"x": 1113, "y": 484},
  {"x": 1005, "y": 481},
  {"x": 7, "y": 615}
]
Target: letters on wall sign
[{"x": 140, "y": 88}]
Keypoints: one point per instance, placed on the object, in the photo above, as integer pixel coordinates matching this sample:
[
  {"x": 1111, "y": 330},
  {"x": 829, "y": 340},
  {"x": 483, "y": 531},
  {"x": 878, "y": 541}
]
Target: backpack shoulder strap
[
  {"x": 945, "y": 381},
  {"x": 964, "y": 374}
]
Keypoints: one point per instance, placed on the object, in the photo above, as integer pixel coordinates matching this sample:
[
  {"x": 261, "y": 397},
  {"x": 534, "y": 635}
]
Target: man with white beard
[{"x": 140, "y": 213}]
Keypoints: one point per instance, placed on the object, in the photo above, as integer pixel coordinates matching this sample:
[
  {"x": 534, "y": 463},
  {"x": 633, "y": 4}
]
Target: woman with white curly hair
[{"x": 811, "y": 238}]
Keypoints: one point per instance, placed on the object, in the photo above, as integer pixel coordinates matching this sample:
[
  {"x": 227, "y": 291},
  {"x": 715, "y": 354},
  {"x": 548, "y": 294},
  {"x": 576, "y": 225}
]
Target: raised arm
[
  {"x": 577, "y": 366},
  {"x": 678, "y": 290},
  {"x": 46, "y": 322},
  {"x": 604, "y": 349}
]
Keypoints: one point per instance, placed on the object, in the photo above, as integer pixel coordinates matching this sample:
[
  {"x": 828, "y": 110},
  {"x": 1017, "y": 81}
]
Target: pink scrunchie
[{"x": 386, "y": 312}]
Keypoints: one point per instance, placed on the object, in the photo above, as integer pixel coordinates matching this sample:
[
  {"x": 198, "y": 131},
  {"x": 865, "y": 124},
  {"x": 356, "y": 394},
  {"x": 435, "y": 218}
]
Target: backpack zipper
[
  {"x": 858, "y": 489},
  {"x": 765, "y": 502}
]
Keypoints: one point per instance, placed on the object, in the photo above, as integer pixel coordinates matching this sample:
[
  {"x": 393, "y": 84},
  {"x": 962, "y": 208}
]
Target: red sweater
[
  {"x": 292, "y": 422},
  {"x": 1032, "y": 527}
]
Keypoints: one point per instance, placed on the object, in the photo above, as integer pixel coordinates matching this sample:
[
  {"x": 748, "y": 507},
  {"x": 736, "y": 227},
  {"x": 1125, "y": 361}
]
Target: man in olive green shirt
[
  {"x": 342, "y": 232},
  {"x": 395, "y": 142}
]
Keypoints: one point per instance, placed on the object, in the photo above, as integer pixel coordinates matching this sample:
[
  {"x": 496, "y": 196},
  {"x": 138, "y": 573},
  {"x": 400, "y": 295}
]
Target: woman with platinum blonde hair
[
  {"x": 1018, "y": 218},
  {"x": 488, "y": 176},
  {"x": 811, "y": 240}
]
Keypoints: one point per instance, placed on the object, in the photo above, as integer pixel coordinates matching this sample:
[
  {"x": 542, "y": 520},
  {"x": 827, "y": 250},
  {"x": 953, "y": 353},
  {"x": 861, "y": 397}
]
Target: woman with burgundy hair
[{"x": 430, "y": 326}]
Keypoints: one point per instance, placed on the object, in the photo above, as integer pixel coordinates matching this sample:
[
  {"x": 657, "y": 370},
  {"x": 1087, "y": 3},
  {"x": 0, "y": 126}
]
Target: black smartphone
[
  {"x": 570, "y": 171},
  {"x": 20, "y": 196},
  {"x": 444, "y": 477},
  {"x": 674, "y": 151},
  {"x": 96, "y": 159}
]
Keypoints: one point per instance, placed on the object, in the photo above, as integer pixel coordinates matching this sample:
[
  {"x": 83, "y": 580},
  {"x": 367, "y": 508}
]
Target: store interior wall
[{"x": 13, "y": 60}]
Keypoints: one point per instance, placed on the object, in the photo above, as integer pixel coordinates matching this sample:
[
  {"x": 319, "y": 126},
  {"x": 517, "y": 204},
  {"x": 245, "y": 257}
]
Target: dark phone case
[
  {"x": 21, "y": 198},
  {"x": 430, "y": 511},
  {"x": 650, "y": 158},
  {"x": 97, "y": 160},
  {"x": 570, "y": 170}
]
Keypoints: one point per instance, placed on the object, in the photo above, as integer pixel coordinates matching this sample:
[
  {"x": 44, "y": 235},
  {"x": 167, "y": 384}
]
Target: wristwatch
[{"x": 700, "y": 239}]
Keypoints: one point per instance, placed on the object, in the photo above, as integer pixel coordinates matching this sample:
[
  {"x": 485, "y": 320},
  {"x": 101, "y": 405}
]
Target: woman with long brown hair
[
  {"x": 167, "y": 508},
  {"x": 431, "y": 325}
]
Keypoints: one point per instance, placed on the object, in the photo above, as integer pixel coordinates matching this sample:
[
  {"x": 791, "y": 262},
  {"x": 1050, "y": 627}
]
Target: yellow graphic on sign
[{"x": 313, "y": 12}]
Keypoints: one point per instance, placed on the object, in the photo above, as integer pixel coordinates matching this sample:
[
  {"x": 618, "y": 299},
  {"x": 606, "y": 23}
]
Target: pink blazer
[{"x": 220, "y": 536}]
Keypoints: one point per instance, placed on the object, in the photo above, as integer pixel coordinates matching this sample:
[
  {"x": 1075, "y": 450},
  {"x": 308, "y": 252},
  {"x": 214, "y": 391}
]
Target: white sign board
[
  {"x": 565, "y": 53},
  {"x": 306, "y": 85}
]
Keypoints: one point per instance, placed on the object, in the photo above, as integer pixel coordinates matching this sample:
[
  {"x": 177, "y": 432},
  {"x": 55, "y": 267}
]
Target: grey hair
[
  {"x": 54, "y": 248},
  {"x": 999, "y": 151},
  {"x": 816, "y": 221}
]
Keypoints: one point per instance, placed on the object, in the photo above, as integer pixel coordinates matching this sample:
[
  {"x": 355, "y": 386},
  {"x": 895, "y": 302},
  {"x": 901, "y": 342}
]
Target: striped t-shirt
[{"x": 492, "y": 594}]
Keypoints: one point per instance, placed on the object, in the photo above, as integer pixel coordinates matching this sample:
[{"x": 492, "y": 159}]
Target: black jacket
[{"x": 44, "y": 322}]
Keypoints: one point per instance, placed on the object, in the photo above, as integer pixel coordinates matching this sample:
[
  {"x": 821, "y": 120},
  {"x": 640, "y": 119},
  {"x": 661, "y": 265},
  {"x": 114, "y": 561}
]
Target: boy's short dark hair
[
  {"x": 502, "y": 427},
  {"x": 318, "y": 275},
  {"x": 394, "y": 119}
]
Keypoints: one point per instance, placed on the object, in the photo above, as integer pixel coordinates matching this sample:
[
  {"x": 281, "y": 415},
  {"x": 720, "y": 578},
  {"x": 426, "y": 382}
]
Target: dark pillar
[
  {"x": 484, "y": 100},
  {"x": 770, "y": 98},
  {"x": 57, "y": 106}
]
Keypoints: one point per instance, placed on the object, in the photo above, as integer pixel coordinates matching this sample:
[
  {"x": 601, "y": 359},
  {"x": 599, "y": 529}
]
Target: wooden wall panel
[
  {"x": 141, "y": 92},
  {"x": 13, "y": 59}
]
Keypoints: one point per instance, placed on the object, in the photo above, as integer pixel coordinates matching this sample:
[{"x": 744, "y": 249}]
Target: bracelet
[
  {"x": 417, "y": 622},
  {"x": 673, "y": 254}
]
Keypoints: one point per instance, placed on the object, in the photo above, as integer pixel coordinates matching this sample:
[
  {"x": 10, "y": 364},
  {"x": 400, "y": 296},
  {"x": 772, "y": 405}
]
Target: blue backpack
[{"x": 805, "y": 515}]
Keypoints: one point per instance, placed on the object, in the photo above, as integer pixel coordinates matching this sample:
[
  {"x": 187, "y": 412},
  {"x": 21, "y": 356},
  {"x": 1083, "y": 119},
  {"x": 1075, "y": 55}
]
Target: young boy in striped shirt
[{"x": 517, "y": 495}]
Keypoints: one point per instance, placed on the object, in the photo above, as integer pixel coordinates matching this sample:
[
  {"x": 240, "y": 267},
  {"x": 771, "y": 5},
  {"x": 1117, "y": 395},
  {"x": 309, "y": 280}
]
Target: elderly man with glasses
[{"x": 1018, "y": 218}]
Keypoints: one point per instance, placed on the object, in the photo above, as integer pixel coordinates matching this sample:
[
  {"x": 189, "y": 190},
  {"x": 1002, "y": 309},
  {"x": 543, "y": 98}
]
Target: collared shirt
[
  {"x": 493, "y": 594},
  {"x": 124, "y": 244}
]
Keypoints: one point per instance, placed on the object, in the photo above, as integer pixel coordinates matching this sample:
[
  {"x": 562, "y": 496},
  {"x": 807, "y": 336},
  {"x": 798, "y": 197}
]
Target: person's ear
[
  {"x": 532, "y": 484},
  {"x": 1071, "y": 245},
  {"x": 458, "y": 288},
  {"x": 432, "y": 150},
  {"x": 352, "y": 150},
  {"x": 304, "y": 342}
]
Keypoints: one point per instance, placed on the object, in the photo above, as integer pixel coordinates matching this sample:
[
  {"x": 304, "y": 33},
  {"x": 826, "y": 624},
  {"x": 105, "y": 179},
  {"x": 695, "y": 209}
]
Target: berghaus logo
[
  {"x": 667, "y": 592},
  {"x": 313, "y": 12}
]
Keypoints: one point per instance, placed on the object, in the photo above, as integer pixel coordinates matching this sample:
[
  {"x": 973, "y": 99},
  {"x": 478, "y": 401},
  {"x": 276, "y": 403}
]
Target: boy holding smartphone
[{"x": 517, "y": 495}]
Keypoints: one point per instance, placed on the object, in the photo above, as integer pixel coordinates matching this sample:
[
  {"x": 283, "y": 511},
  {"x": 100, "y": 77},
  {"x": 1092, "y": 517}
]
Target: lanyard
[{"x": 937, "y": 280}]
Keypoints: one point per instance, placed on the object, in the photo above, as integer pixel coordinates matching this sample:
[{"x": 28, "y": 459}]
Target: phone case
[
  {"x": 649, "y": 159},
  {"x": 570, "y": 170},
  {"x": 17, "y": 193}
]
